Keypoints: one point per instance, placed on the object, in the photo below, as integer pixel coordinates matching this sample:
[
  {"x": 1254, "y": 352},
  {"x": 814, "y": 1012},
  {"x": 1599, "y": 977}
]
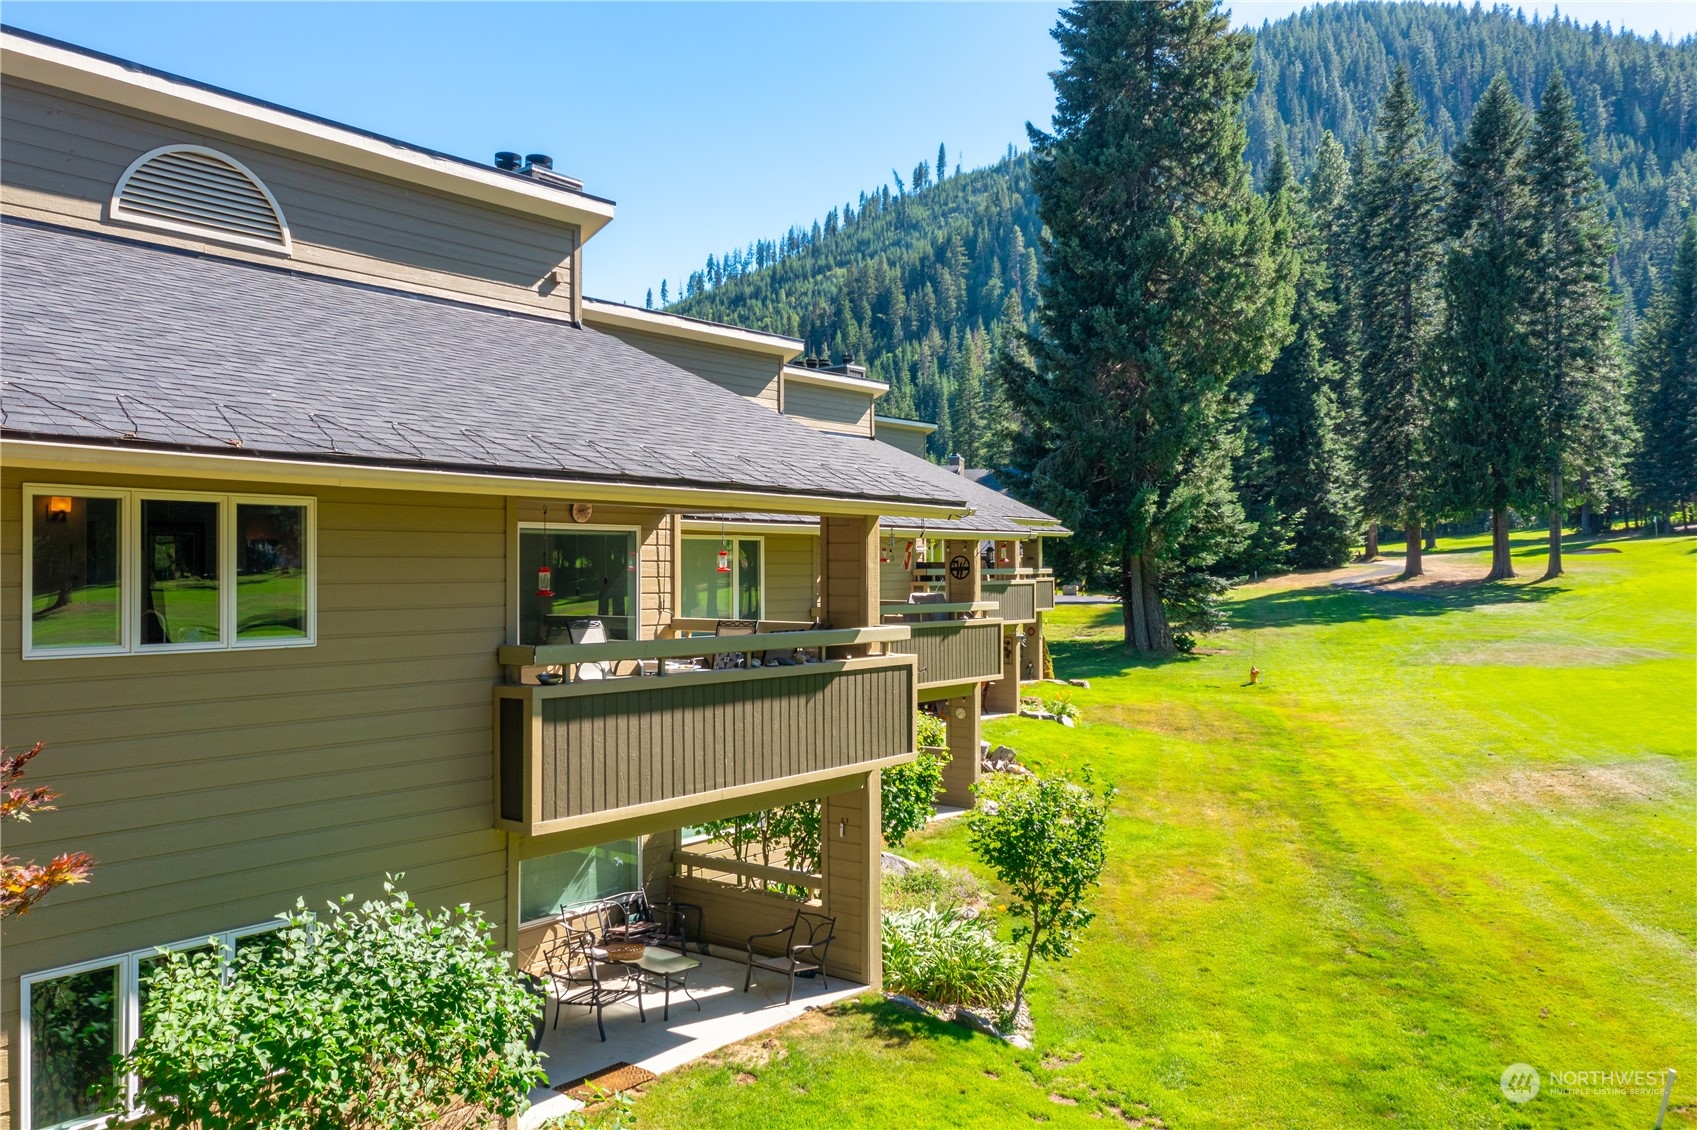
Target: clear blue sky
[{"x": 710, "y": 124}]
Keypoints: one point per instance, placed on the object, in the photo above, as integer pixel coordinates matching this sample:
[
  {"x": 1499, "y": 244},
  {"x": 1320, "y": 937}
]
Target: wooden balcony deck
[{"x": 601, "y": 751}]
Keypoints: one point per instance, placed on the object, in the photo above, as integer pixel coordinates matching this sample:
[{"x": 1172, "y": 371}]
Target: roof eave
[
  {"x": 71, "y": 457},
  {"x": 600, "y": 312},
  {"x": 154, "y": 92}
]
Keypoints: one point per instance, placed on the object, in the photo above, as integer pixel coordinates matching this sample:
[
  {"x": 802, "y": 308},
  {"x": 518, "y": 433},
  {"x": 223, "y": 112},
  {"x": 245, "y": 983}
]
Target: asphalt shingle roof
[
  {"x": 993, "y": 511},
  {"x": 115, "y": 341}
]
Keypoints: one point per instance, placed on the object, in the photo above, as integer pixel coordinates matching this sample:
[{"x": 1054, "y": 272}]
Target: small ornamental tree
[
  {"x": 381, "y": 1015},
  {"x": 22, "y": 885},
  {"x": 1045, "y": 839}
]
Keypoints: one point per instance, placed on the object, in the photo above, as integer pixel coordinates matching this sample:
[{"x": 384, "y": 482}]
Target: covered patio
[{"x": 726, "y": 1014}]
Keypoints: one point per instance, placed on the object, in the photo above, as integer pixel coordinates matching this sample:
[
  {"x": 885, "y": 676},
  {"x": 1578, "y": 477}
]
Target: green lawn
[{"x": 1451, "y": 830}]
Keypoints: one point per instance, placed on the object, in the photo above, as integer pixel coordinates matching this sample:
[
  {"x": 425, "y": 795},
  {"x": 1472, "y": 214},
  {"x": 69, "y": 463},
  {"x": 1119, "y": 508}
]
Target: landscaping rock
[
  {"x": 1065, "y": 721},
  {"x": 897, "y": 865},
  {"x": 901, "y": 1000},
  {"x": 977, "y": 1021},
  {"x": 1085, "y": 683}
]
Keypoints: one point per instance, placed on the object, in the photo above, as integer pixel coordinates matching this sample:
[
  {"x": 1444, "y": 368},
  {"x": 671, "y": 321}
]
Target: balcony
[
  {"x": 951, "y": 647},
  {"x": 687, "y": 741},
  {"x": 1020, "y": 593}
]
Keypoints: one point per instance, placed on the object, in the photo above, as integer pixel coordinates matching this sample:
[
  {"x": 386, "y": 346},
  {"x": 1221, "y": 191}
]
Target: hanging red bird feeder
[
  {"x": 724, "y": 560},
  {"x": 545, "y": 581}
]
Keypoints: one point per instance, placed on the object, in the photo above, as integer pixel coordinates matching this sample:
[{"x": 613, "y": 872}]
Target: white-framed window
[
  {"x": 722, "y": 578},
  {"x": 592, "y": 573},
  {"x": 77, "y": 1017},
  {"x": 114, "y": 571}
]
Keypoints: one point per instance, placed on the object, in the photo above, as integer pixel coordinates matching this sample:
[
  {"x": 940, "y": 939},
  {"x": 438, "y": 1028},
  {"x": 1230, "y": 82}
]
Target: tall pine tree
[
  {"x": 1165, "y": 277},
  {"x": 1296, "y": 400},
  {"x": 1665, "y": 367},
  {"x": 1485, "y": 428},
  {"x": 1572, "y": 313},
  {"x": 1398, "y": 245}
]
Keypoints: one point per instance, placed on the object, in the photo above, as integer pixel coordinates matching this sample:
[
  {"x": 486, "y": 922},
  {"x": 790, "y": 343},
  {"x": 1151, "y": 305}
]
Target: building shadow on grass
[{"x": 897, "y": 1026}]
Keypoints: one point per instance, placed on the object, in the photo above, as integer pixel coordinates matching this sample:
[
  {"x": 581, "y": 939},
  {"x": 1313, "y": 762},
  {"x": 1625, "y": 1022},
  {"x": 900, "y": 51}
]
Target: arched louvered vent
[{"x": 195, "y": 191}]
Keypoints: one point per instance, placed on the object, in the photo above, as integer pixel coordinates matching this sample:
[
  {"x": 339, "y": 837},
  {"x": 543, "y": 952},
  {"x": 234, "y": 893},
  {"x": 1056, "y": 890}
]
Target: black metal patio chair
[
  {"x": 583, "y": 976},
  {"x": 805, "y": 942},
  {"x": 631, "y": 917}
]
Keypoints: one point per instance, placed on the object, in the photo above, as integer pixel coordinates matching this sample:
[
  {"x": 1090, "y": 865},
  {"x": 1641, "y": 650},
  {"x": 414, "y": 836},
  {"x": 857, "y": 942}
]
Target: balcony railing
[
  {"x": 953, "y": 643},
  {"x": 1015, "y": 599},
  {"x": 598, "y": 750}
]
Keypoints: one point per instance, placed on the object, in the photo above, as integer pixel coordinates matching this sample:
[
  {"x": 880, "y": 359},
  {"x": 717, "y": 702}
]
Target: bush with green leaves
[
  {"x": 932, "y": 730},
  {"x": 380, "y": 1015},
  {"x": 938, "y": 955},
  {"x": 1045, "y": 838},
  {"x": 908, "y": 796},
  {"x": 927, "y": 883}
]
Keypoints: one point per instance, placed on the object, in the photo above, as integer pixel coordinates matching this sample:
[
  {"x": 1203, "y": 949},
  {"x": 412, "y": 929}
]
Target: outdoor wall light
[
  {"x": 842, "y": 829},
  {"x": 58, "y": 509}
]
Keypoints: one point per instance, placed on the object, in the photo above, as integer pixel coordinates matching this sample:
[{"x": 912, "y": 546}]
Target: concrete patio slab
[{"x": 726, "y": 1015}]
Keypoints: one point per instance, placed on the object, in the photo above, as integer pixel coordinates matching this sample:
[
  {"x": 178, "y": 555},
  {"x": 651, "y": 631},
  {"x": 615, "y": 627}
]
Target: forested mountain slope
[
  {"x": 1327, "y": 68},
  {"x": 921, "y": 282}
]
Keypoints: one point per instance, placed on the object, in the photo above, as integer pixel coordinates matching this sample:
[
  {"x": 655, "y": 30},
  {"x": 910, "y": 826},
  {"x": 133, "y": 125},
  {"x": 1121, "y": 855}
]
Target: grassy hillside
[{"x": 1450, "y": 831}]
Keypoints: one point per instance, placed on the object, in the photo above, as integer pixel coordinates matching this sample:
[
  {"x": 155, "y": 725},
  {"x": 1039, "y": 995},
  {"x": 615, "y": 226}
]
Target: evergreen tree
[
  {"x": 1296, "y": 407},
  {"x": 1665, "y": 366},
  {"x": 1164, "y": 277},
  {"x": 1485, "y": 428},
  {"x": 1397, "y": 250},
  {"x": 1572, "y": 314},
  {"x": 664, "y": 298},
  {"x": 942, "y": 160},
  {"x": 649, "y": 301}
]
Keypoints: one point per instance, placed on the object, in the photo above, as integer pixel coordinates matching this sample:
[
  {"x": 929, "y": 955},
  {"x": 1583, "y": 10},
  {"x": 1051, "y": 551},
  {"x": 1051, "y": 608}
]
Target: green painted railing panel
[
  {"x": 1016, "y": 599},
  {"x": 1044, "y": 598},
  {"x": 653, "y": 741},
  {"x": 955, "y": 651}
]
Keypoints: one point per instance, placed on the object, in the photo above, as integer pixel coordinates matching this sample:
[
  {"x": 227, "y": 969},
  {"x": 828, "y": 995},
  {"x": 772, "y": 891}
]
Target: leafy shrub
[
  {"x": 933, "y": 731},
  {"x": 1045, "y": 838},
  {"x": 909, "y": 796},
  {"x": 928, "y": 883},
  {"x": 383, "y": 1015},
  {"x": 937, "y": 955}
]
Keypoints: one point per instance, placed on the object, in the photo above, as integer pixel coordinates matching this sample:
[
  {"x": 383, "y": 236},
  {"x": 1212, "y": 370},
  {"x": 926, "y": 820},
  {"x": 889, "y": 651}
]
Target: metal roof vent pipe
[
  {"x": 539, "y": 161},
  {"x": 507, "y": 160}
]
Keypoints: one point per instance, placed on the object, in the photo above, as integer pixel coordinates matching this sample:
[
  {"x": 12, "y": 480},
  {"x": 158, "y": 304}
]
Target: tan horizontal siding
[
  {"x": 213, "y": 788},
  {"x": 63, "y": 157},
  {"x": 909, "y": 441},
  {"x": 834, "y": 409},
  {"x": 792, "y": 577},
  {"x": 745, "y": 373}
]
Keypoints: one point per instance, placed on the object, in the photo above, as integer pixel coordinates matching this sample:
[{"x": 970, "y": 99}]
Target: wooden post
[
  {"x": 1002, "y": 696},
  {"x": 849, "y": 583},
  {"x": 960, "y": 715},
  {"x": 1033, "y": 650},
  {"x": 968, "y": 587},
  {"x": 851, "y": 858}
]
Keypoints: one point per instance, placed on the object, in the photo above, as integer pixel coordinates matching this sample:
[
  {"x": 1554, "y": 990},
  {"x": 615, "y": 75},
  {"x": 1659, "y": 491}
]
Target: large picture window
[
  {"x": 570, "y": 575},
  {"x": 722, "y": 589},
  {"x": 78, "y": 1017},
  {"x": 550, "y": 883},
  {"x": 116, "y": 571}
]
